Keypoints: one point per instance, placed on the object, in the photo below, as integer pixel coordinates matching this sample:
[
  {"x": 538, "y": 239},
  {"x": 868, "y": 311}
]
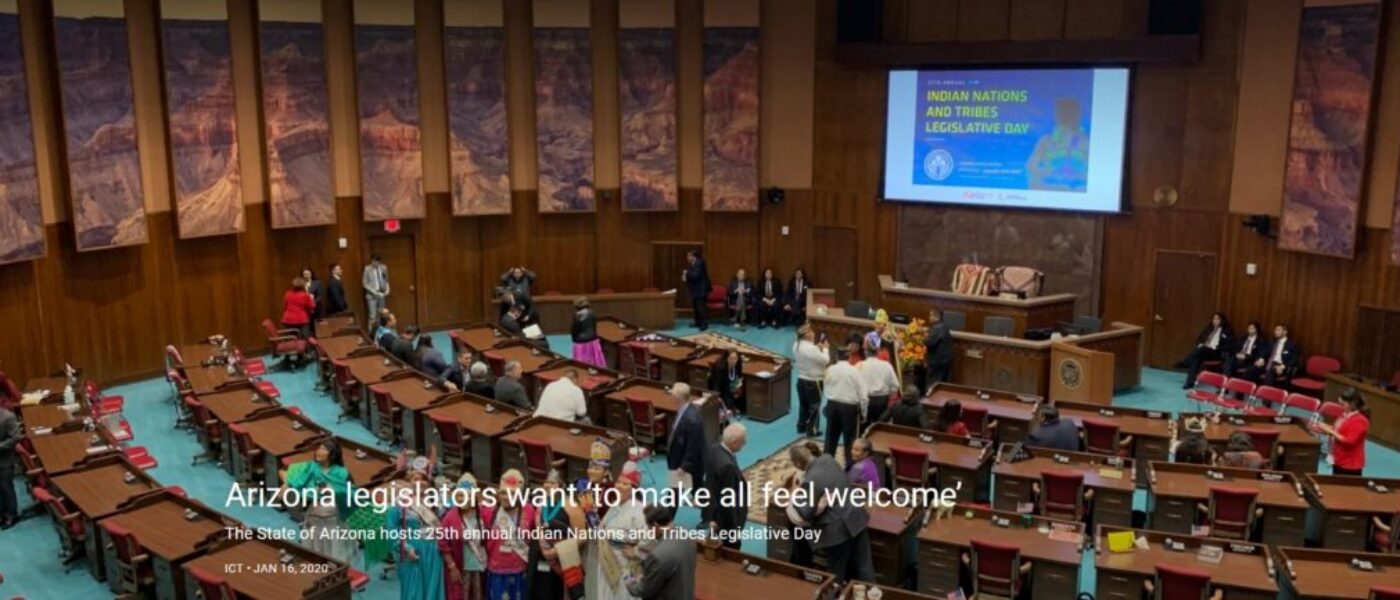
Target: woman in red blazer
[
  {"x": 1349, "y": 434},
  {"x": 297, "y": 307}
]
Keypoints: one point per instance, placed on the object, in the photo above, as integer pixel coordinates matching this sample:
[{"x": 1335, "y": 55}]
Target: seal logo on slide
[{"x": 938, "y": 164}]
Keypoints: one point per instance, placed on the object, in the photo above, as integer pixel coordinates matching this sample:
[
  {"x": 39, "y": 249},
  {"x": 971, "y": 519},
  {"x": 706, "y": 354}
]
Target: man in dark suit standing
[
  {"x": 697, "y": 282},
  {"x": 726, "y": 518},
  {"x": 938, "y": 351},
  {"x": 668, "y": 572},
  {"x": 1282, "y": 360},
  {"x": 685, "y": 458},
  {"x": 335, "y": 293},
  {"x": 842, "y": 530}
]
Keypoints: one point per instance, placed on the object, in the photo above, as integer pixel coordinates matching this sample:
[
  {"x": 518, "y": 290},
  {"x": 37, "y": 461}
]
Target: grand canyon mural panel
[
  {"x": 21, "y": 216},
  {"x": 297, "y": 124},
  {"x": 564, "y": 118},
  {"x": 1332, "y": 94},
  {"x": 647, "y": 74},
  {"x": 391, "y": 157},
  {"x": 203, "y": 126},
  {"x": 731, "y": 119},
  {"x": 104, "y": 164},
  {"x": 476, "y": 104}
]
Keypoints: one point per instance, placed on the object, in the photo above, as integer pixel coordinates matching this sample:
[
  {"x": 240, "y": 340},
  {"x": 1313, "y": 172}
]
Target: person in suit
[
  {"x": 375, "y": 281},
  {"x": 769, "y": 292},
  {"x": 938, "y": 351},
  {"x": 739, "y": 298},
  {"x": 401, "y": 346},
  {"x": 842, "y": 529},
  {"x": 509, "y": 300},
  {"x": 1250, "y": 349},
  {"x": 697, "y": 283},
  {"x": 727, "y": 380},
  {"x": 685, "y": 458},
  {"x": 386, "y": 331},
  {"x": 335, "y": 302},
  {"x": 795, "y": 302},
  {"x": 518, "y": 281},
  {"x": 317, "y": 291},
  {"x": 1282, "y": 360},
  {"x": 511, "y": 321},
  {"x": 455, "y": 378},
  {"x": 10, "y": 435},
  {"x": 668, "y": 572},
  {"x": 1054, "y": 433},
  {"x": 509, "y": 389},
  {"x": 480, "y": 382},
  {"x": 1213, "y": 343},
  {"x": 909, "y": 411},
  {"x": 722, "y": 472},
  {"x": 430, "y": 359}
]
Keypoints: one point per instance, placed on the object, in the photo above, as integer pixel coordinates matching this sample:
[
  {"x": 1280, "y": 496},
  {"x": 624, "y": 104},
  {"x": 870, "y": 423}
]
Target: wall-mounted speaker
[
  {"x": 775, "y": 195},
  {"x": 1260, "y": 224}
]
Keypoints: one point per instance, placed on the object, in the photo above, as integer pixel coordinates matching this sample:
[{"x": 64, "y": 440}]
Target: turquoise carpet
[{"x": 29, "y": 552}]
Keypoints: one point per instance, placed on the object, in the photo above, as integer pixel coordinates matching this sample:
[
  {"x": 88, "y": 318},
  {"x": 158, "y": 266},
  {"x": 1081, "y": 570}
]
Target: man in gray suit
[
  {"x": 668, "y": 572},
  {"x": 376, "y": 284},
  {"x": 508, "y": 388},
  {"x": 842, "y": 530}
]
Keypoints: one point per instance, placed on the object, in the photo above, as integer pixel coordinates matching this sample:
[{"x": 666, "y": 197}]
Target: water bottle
[{"x": 68, "y": 396}]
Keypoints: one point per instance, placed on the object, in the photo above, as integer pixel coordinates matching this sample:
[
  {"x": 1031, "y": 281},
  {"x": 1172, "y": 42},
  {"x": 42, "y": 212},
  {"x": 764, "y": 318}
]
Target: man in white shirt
[
  {"x": 846, "y": 400},
  {"x": 811, "y": 358},
  {"x": 881, "y": 382},
  {"x": 563, "y": 400}
]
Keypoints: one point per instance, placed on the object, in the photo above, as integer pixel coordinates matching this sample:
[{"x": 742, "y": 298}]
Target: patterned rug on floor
[
  {"x": 719, "y": 340},
  {"x": 776, "y": 468}
]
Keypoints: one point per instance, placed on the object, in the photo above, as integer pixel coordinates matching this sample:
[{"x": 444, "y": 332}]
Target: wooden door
[
  {"x": 397, "y": 250},
  {"x": 667, "y": 263},
  {"x": 1182, "y": 302},
  {"x": 835, "y": 265}
]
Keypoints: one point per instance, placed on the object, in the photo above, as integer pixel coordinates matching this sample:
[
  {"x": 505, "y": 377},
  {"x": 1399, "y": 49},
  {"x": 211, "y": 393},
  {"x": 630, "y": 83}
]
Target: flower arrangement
[{"x": 911, "y": 342}]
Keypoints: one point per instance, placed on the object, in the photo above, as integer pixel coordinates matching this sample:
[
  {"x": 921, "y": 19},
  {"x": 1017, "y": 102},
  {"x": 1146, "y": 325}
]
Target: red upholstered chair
[
  {"x": 1062, "y": 494},
  {"x": 1209, "y": 385},
  {"x": 996, "y": 568},
  {"x": 389, "y": 430},
  {"x": 1385, "y": 592},
  {"x": 347, "y": 387},
  {"x": 1236, "y": 394},
  {"x": 496, "y": 362},
  {"x": 1383, "y": 534},
  {"x": 173, "y": 360},
  {"x": 1314, "y": 376},
  {"x": 643, "y": 365},
  {"x": 716, "y": 299},
  {"x": 454, "y": 445},
  {"x": 648, "y": 426},
  {"x": 34, "y": 474},
  {"x": 134, "y": 571},
  {"x": 211, "y": 586},
  {"x": 1265, "y": 441},
  {"x": 1180, "y": 583},
  {"x": 974, "y": 417},
  {"x": 176, "y": 490},
  {"x": 538, "y": 459},
  {"x": 1232, "y": 512},
  {"x": 102, "y": 404},
  {"x": 285, "y": 343},
  {"x": 252, "y": 368},
  {"x": 359, "y": 580},
  {"x": 1302, "y": 405},
  {"x": 1266, "y": 400},
  {"x": 67, "y": 522},
  {"x": 910, "y": 467},
  {"x": 1328, "y": 412},
  {"x": 207, "y": 428},
  {"x": 1102, "y": 436},
  {"x": 253, "y": 468}
]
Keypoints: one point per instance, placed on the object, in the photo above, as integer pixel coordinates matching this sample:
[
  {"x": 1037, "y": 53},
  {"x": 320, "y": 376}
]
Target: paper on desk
[
  {"x": 533, "y": 332},
  {"x": 765, "y": 374},
  {"x": 1071, "y": 537},
  {"x": 32, "y": 398},
  {"x": 1111, "y": 473}
]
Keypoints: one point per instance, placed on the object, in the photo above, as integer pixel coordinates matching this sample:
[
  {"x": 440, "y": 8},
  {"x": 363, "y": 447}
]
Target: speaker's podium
[{"x": 1080, "y": 375}]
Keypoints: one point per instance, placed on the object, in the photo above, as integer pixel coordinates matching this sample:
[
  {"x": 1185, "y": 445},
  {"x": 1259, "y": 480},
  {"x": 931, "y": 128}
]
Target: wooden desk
[
  {"x": 97, "y": 491},
  {"x": 724, "y": 576},
  {"x": 1344, "y": 507},
  {"x": 253, "y": 568},
  {"x": 613, "y": 331},
  {"x": 277, "y": 434},
  {"x": 62, "y": 451},
  {"x": 1112, "y": 479},
  {"x": 237, "y": 402},
  {"x": 197, "y": 354},
  {"x": 369, "y": 467},
  {"x": 341, "y": 346},
  {"x": 889, "y": 592},
  {"x": 160, "y": 526},
  {"x": 1151, "y": 429},
  {"x": 484, "y": 421},
  {"x": 336, "y": 325},
  {"x": 1005, "y": 363},
  {"x": 1328, "y": 574},
  {"x": 767, "y": 383},
  {"x": 619, "y": 417},
  {"x": 205, "y": 380},
  {"x": 592, "y": 380},
  {"x": 1300, "y": 447},
  {"x": 369, "y": 369},
  {"x": 1178, "y": 488},
  {"x": 653, "y": 310},
  {"x": 1030, "y": 313},
  {"x": 575, "y": 448},
  {"x": 480, "y": 336},
  {"x": 1014, "y": 413},
  {"x": 530, "y": 356},
  {"x": 963, "y": 463},
  {"x": 942, "y": 541},
  {"x": 672, "y": 354},
  {"x": 45, "y": 416},
  {"x": 1383, "y": 404},
  {"x": 414, "y": 393},
  {"x": 1244, "y": 571},
  {"x": 893, "y": 547},
  {"x": 53, "y": 385}
]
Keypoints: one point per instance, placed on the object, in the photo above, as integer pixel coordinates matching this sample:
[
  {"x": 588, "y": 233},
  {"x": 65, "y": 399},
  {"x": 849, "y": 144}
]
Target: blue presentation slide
[{"x": 1037, "y": 138}]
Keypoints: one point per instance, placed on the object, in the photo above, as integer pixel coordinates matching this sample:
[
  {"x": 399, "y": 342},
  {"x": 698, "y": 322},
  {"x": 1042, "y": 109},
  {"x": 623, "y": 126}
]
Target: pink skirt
[{"x": 591, "y": 353}]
